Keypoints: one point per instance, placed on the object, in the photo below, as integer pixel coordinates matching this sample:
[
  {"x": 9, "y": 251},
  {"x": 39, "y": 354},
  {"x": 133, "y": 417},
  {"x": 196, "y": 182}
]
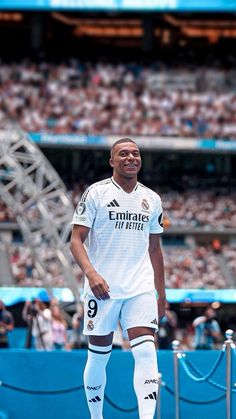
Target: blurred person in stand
[
  {"x": 6, "y": 325},
  {"x": 39, "y": 320},
  {"x": 216, "y": 246},
  {"x": 167, "y": 329},
  {"x": 59, "y": 328},
  {"x": 207, "y": 330},
  {"x": 79, "y": 340}
]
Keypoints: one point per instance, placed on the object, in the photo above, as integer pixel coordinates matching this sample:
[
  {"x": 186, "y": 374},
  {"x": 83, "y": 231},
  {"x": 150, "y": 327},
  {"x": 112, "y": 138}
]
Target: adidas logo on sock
[
  {"x": 113, "y": 203},
  {"x": 152, "y": 396},
  {"x": 95, "y": 399},
  {"x": 154, "y": 321}
]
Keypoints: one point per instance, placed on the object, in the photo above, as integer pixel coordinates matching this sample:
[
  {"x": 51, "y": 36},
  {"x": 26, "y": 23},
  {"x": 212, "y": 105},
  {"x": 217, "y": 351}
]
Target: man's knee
[
  {"x": 101, "y": 340},
  {"x": 136, "y": 332}
]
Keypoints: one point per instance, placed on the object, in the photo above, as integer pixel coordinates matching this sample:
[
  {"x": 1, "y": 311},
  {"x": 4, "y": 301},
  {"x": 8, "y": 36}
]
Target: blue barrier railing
[
  {"x": 188, "y": 370},
  {"x": 181, "y": 360}
]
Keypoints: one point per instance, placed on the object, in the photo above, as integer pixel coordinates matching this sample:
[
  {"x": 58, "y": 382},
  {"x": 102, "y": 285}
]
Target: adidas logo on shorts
[
  {"x": 154, "y": 321},
  {"x": 113, "y": 203},
  {"x": 151, "y": 396}
]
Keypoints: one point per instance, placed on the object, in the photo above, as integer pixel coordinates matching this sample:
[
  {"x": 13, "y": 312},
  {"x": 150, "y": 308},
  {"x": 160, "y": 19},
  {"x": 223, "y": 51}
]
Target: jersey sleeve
[
  {"x": 85, "y": 211},
  {"x": 156, "y": 226}
]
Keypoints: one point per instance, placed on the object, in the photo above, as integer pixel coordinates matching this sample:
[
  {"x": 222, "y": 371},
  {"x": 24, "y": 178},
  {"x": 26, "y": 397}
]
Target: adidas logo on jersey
[
  {"x": 154, "y": 321},
  {"x": 95, "y": 400},
  {"x": 151, "y": 396},
  {"x": 113, "y": 203}
]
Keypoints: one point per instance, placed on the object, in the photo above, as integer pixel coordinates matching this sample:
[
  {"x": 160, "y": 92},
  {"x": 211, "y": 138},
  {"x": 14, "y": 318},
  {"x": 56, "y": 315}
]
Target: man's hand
[
  {"x": 98, "y": 285},
  {"x": 161, "y": 307}
]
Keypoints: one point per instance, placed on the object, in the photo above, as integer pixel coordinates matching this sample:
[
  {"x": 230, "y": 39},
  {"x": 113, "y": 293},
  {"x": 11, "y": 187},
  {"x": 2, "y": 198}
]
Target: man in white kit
[{"x": 121, "y": 220}]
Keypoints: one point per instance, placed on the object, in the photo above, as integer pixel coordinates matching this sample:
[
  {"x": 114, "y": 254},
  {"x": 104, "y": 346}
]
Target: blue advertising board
[
  {"x": 148, "y": 143},
  {"x": 121, "y": 5},
  {"x": 14, "y": 295}
]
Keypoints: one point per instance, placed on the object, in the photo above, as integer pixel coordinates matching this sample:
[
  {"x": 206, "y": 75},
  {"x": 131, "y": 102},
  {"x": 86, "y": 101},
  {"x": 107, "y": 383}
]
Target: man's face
[
  {"x": 210, "y": 313},
  {"x": 126, "y": 160}
]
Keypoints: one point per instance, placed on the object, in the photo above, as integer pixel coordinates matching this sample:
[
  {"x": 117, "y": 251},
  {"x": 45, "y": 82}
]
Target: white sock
[
  {"x": 145, "y": 375},
  {"x": 95, "y": 378}
]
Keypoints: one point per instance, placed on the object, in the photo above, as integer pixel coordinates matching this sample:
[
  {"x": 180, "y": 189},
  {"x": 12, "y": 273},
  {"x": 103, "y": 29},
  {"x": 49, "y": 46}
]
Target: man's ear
[{"x": 111, "y": 162}]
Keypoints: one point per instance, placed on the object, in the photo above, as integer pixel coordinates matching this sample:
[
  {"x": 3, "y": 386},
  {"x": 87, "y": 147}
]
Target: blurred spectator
[
  {"x": 59, "y": 328},
  {"x": 5, "y": 213},
  {"x": 216, "y": 246},
  {"x": 78, "y": 339},
  {"x": 207, "y": 330},
  {"x": 229, "y": 251},
  {"x": 39, "y": 320},
  {"x": 6, "y": 324},
  {"x": 167, "y": 329}
]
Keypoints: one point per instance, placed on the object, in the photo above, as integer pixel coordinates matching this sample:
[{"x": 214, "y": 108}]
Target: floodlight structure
[{"x": 36, "y": 195}]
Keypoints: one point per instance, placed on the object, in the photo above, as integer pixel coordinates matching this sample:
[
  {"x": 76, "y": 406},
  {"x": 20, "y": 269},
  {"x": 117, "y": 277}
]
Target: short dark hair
[{"x": 122, "y": 140}]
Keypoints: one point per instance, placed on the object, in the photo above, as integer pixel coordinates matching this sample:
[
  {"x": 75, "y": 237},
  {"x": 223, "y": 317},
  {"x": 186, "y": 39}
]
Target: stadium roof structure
[{"x": 33, "y": 190}]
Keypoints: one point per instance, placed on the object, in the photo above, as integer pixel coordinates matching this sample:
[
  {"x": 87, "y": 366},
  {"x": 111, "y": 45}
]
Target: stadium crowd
[
  {"x": 129, "y": 99},
  {"x": 205, "y": 209},
  {"x": 118, "y": 99},
  {"x": 188, "y": 209},
  {"x": 185, "y": 267},
  {"x": 192, "y": 268},
  {"x": 24, "y": 269}
]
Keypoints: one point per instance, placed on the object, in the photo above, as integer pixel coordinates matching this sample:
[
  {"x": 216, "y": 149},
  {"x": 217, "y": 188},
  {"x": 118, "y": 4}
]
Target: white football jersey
[{"x": 118, "y": 241}]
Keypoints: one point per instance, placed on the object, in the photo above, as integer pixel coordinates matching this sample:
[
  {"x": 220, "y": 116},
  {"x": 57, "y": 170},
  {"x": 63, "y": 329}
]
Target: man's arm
[
  {"x": 9, "y": 323},
  {"x": 215, "y": 330},
  {"x": 97, "y": 284},
  {"x": 199, "y": 320},
  {"x": 156, "y": 257}
]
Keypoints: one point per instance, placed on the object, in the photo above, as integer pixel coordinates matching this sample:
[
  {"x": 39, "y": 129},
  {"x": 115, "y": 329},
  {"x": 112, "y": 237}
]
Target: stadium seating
[
  {"x": 196, "y": 267},
  {"x": 121, "y": 99}
]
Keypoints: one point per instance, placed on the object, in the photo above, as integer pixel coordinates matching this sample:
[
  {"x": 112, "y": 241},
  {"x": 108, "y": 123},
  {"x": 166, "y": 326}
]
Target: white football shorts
[{"x": 101, "y": 316}]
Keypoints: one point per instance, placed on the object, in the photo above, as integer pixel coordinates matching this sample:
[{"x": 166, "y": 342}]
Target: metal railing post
[
  {"x": 175, "y": 346},
  {"x": 229, "y": 344},
  {"x": 158, "y": 411}
]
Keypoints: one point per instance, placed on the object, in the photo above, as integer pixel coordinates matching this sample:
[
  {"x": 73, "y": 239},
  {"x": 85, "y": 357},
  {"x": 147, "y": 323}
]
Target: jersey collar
[{"x": 119, "y": 187}]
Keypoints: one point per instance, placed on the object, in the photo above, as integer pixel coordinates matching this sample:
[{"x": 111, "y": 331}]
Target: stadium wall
[{"x": 49, "y": 385}]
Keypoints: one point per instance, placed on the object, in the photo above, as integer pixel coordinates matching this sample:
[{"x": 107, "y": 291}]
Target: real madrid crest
[
  {"x": 90, "y": 325},
  {"x": 145, "y": 205}
]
